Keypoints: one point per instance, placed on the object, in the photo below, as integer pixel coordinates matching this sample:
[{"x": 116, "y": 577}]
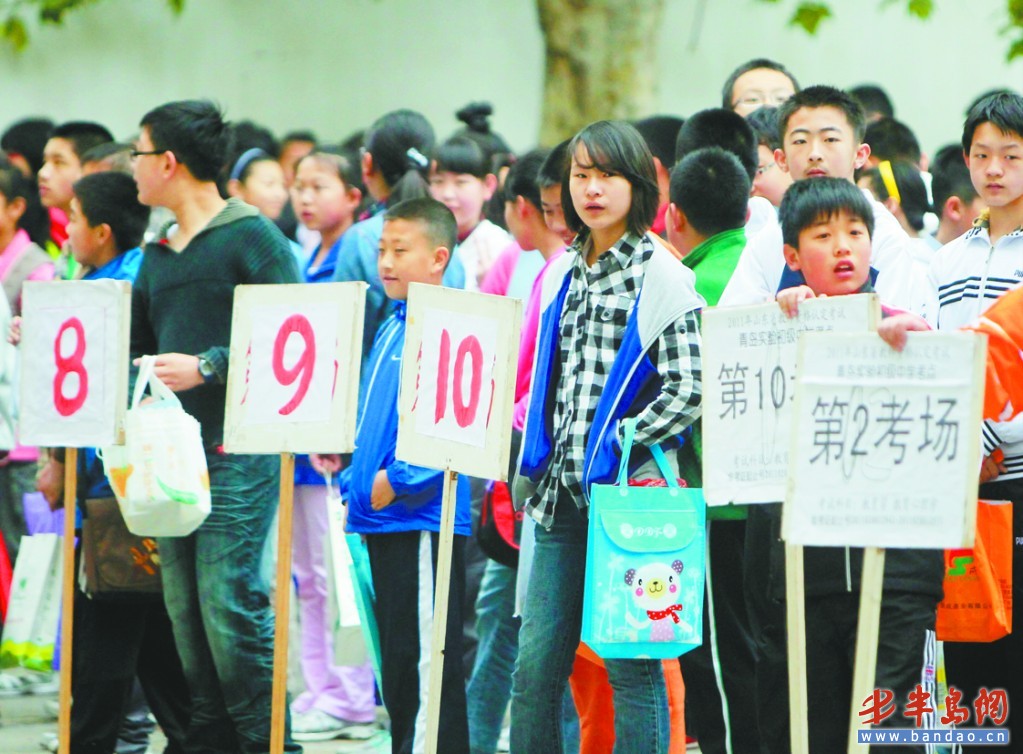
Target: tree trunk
[{"x": 601, "y": 62}]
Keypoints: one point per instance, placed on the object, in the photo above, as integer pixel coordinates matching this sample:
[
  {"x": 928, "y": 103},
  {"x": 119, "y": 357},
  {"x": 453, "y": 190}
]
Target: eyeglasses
[
  {"x": 755, "y": 98},
  {"x": 135, "y": 153},
  {"x": 765, "y": 167}
]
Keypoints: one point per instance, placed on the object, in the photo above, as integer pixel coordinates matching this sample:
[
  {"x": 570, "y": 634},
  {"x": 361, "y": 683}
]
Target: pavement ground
[{"x": 24, "y": 722}]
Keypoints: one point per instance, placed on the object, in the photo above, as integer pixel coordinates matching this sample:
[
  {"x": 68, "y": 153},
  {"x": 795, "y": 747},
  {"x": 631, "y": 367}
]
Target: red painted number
[
  {"x": 70, "y": 365},
  {"x": 464, "y": 410},
  {"x": 303, "y": 368}
]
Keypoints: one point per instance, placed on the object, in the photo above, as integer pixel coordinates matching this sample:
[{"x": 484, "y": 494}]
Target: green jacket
[{"x": 713, "y": 261}]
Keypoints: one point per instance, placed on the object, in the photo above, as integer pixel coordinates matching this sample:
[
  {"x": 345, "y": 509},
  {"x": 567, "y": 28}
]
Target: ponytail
[
  {"x": 398, "y": 143},
  {"x": 413, "y": 183}
]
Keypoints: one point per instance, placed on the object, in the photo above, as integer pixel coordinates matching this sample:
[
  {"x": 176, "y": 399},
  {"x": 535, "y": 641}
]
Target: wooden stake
[
  {"x": 867, "y": 629},
  {"x": 442, "y": 585},
  {"x": 795, "y": 613},
  {"x": 282, "y": 604},
  {"x": 68, "y": 599}
]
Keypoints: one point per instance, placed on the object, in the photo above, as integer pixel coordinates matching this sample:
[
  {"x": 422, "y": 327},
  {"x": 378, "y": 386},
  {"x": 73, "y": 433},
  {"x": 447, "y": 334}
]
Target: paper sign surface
[
  {"x": 74, "y": 362},
  {"x": 293, "y": 378},
  {"x": 749, "y": 362},
  {"x": 456, "y": 394},
  {"x": 458, "y": 380},
  {"x": 886, "y": 445}
]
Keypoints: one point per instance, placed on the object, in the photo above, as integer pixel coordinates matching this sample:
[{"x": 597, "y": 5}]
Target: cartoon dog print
[{"x": 655, "y": 590}]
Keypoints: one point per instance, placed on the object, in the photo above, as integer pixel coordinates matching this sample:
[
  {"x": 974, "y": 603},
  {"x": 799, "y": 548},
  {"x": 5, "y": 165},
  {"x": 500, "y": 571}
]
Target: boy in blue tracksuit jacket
[{"x": 397, "y": 506}]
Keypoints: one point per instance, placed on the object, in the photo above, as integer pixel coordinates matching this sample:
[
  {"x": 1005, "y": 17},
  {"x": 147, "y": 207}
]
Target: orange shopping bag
[{"x": 978, "y": 583}]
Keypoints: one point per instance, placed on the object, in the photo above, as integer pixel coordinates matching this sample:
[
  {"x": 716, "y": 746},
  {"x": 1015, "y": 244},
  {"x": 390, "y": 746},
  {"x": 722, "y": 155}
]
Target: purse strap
[
  {"x": 629, "y": 427},
  {"x": 157, "y": 388}
]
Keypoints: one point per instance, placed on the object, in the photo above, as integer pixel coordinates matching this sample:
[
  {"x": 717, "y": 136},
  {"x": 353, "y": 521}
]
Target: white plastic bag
[
  {"x": 341, "y": 590},
  {"x": 159, "y": 475},
  {"x": 30, "y": 632}
]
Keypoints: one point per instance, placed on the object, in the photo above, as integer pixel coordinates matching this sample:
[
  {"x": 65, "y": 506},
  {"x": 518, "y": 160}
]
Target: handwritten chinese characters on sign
[
  {"x": 749, "y": 359},
  {"x": 458, "y": 381},
  {"x": 293, "y": 378},
  {"x": 74, "y": 362},
  {"x": 886, "y": 445}
]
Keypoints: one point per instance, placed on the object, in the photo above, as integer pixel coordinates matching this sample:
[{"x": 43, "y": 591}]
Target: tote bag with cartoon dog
[{"x": 643, "y": 596}]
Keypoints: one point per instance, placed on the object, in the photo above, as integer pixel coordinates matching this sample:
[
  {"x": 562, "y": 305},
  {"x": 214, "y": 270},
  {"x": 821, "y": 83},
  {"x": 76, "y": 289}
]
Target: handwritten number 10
[
  {"x": 303, "y": 368},
  {"x": 72, "y": 364},
  {"x": 777, "y": 387},
  {"x": 469, "y": 348}
]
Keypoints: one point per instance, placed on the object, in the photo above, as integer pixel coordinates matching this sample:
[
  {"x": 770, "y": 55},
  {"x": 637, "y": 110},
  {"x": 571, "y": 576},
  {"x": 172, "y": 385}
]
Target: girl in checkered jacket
[{"x": 618, "y": 339}]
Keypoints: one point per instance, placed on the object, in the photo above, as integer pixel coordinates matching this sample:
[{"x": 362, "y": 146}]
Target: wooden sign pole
[
  {"x": 442, "y": 585},
  {"x": 795, "y": 613},
  {"x": 68, "y": 599},
  {"x": 867, "y": 630},
  {"x": 282, "y": 605}
]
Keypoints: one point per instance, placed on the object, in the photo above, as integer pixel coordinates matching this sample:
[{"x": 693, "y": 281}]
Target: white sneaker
[
  {"x": 316, "y": 725},
  {"x": 359, "y": 732}
]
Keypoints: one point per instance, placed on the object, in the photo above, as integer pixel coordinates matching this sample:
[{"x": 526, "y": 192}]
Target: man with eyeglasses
[
  {"x": 182, "y": 303},
  {"x": 757, "y": 83}
]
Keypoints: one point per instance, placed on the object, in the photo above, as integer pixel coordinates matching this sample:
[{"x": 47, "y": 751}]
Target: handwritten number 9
[
  {"x": 303, "y": 368},
  {"x": 72, "y": 364},
  {"x": 465, "y": 411}
]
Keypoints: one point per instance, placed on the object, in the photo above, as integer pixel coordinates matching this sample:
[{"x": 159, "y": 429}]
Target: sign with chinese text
[
  {"x": 885, "y": 445},
  {"x": 749, "y": 362},
  {"x": 74, "y": 362},
  {"x": 293, "y": 379},
  {"x": 458, "y": 380}
]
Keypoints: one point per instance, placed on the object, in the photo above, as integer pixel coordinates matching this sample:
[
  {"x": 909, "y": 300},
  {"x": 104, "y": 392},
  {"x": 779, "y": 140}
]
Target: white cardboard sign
[
  {"x": 293, "y": 378},
  {"x": 74, "y": 362},
  {"x": 749, "y": 366},
  {"x": 458, "y": 380},
  {"x": 886, "y": 445}
]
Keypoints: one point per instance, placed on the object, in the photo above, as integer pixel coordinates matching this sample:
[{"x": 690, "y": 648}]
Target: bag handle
[
  {"x": 156, "y": 387},
  {"x": 660, "y": 459}
]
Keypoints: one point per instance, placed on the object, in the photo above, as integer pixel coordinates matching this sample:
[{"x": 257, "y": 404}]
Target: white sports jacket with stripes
[{"x": 967, "y": 276}]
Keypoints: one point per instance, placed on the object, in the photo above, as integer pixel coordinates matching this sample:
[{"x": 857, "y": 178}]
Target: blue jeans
[
  {"x": 548, "y": 640},
  {"x": 498, "y": 629},
  {"x": 489, "y": 689},
  {"x": 217, "y": 596}
]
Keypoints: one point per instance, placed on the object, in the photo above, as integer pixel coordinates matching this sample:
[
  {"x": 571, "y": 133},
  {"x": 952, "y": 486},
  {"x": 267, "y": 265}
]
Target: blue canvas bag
[{"x": 645, "y": 565}]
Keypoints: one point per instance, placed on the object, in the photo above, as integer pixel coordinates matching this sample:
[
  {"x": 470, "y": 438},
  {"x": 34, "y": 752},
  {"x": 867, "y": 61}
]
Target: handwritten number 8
[
  {"x": 303, "y": 368},
  {"x": 72, "y": 364}
]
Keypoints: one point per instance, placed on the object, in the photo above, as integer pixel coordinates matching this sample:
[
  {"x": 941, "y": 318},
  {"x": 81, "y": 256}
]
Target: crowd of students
[{"x": 615, "y": 239}]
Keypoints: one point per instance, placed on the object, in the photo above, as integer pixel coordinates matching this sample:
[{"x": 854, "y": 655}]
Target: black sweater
[{"x": 182, "y": 301}]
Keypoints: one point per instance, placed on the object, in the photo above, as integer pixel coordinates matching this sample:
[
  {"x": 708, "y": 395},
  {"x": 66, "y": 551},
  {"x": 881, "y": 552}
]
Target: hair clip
[
  {"x": 418, "y": 158},
  {"x": 884, "y": 169}
]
